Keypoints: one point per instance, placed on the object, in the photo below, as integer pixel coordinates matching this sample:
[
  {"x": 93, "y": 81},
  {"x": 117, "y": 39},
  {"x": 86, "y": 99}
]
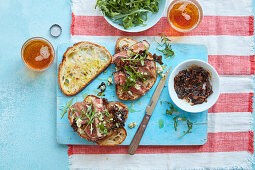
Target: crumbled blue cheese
[
  {"x": 137, "y": 86},
  {"x": 89, "y": 108},
  {"x": 81, "y": 131},
  {"x": 119, "y": 107},
  {"x": 130, "y": 93},
  {"x": 79, "y": 122},
  {"x": 103, "y": 87},
  {"x": 119, "y": 116},
  {"x": 110, "y": 81},
  {"x": 132, "y": 125},
  {"x": 73, "y": 118},
  {"x": 101, "y": 117},
  {"x": 130, "y": 53},
  {"x": 163, "y": 75},
  {"x": 144, "y": 73},
  {"x": 159, "y": 69}
]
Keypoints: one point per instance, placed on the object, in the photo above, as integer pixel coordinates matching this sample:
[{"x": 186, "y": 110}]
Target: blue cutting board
[{"x": 153, "y": 135}]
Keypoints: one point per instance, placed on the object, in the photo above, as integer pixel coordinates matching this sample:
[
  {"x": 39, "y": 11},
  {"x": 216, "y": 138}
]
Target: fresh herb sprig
[
  {"x": 177, "y": 118},
  {"x": 189, "y": 125},
  {"x": 166, "y": 46},
  {"x": 65, "y": 108},
  {"x": 90, "y": 114},
  {"x": 171, "y": 110},
  {"x": 128, "y": 13},
  {"x": 130, "y": 81},
  {"x": 103, "y": 129},
  {"x": 137, "y": 57},
  {"x": 133, "y": 75}
]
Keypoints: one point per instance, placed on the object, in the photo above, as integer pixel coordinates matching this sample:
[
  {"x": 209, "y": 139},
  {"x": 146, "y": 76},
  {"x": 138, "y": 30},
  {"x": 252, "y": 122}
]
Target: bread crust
[
  {"x": 64, "y": 58},
  {"x": 118, "y": 88},
  {"x": 112, "y": 132},
  {"x": 105, "y": 143},
  {"x": 118, "y": 42}
]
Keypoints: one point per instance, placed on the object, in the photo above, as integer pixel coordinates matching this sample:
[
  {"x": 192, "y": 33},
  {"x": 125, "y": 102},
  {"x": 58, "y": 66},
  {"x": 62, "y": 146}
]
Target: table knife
[{"x": 148, "y": 112}]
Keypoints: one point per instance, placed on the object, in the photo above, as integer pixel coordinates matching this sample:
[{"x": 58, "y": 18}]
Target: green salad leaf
[
  {"x": 166, "y": 46},
  {"x": 128, "y": 13},
  {"x": 65, "y": 108},
  {"x": 174, "y": 111}
]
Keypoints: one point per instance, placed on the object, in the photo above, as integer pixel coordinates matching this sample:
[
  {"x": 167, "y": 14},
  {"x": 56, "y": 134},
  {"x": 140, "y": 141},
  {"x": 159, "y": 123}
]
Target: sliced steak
[
  {"x": 98, "y": 104},
  {"x": 79, "y": 106},
  {"x": 119, "y": 77},
  {"x": 99, "y": 107},
  {"x": 147, "y": 69},
  {"x": 116, "y": 58},
  {"x": 87, "y": 131},
  {"x": 136, "y": 48},
  {"x": 140, "y": 46},
  {"x": 139, "y": 89}
]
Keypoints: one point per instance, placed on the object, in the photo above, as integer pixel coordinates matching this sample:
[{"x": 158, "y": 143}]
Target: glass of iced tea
[
  {"x": 184, "y": 15},
  {"x": 37, "y": 53}
]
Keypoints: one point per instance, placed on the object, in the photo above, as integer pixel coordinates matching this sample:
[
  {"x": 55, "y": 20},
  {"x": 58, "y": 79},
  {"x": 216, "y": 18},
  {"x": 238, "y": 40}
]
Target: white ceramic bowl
[
  {"x": 152, "y": 19},
  {"x": 215, "y": 82}
]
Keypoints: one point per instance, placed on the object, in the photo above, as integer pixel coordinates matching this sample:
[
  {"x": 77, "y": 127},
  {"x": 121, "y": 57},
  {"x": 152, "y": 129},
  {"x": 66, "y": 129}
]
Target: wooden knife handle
[{"x": 138, "y": 136}]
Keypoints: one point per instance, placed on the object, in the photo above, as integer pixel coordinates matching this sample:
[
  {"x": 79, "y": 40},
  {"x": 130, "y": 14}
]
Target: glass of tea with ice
[
  {"x": 184, "y": 15},
  {"x": 37, "y": 53}
]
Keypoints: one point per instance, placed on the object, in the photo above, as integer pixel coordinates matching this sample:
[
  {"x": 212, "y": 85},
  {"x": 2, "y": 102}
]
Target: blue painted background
[{"x": 27, "y": 125}]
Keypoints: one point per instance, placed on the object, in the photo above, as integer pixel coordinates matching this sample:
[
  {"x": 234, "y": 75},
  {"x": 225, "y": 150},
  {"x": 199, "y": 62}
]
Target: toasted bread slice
[
  {"x": 116, "y": 138},
  {"x": 124, "y": 43},
  {"x": 116, "y": 132},
  {"x": 80, "y": 65}
]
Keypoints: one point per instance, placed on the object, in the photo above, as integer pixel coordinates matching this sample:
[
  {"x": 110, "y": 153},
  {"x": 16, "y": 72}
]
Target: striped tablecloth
[{"x": 227, "y": 31}]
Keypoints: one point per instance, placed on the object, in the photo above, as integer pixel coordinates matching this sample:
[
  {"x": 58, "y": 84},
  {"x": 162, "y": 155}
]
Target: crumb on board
[{"x": 132, "y": 125}]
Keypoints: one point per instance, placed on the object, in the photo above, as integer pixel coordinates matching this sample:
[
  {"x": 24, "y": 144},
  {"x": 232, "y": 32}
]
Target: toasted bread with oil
[{"x": 80, "y": 65}]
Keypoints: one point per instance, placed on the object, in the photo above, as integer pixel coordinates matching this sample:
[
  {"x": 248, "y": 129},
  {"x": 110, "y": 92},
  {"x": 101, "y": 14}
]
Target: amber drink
[
  {"x": 184, "y": 15},
  {"x": 37, "y": 53}
]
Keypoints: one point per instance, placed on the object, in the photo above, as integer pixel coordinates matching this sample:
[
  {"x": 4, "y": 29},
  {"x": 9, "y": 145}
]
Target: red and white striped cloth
[{"x": 227, "y": 31}]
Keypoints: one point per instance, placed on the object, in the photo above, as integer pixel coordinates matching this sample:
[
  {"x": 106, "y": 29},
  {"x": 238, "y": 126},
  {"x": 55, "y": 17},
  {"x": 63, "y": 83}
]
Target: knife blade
[{"x": 148, "y": 112}]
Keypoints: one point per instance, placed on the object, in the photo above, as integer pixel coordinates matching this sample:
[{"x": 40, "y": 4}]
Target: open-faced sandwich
[
  {"x": 99, "y": 121},
  {"x": 80, "y": 65},
  {"x": 135, "y": 69}
]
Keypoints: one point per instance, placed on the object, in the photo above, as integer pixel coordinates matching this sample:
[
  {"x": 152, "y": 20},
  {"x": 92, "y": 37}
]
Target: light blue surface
[
  {"x": 153, "y": 135},
  {"x": 28, "y": 99},
  {"x": 152, "y": 19},
  {"x": 28, "y": 133}
]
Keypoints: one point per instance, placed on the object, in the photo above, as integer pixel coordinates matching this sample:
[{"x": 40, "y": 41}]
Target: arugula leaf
[
  {"x": 167, "y": 47},
  {"x": 65, "y": 108},
  {"x": 172, "y": 109},
  {"x": 130, "y": 81},
  {"x": 161, "y": 123},
  {"x": 128, "y": 13},
  {"x": 175, "y": 122},
  {"x": 103, "y": 129},
  {"x": 189, "y": 124},
  {"x": 178, "y": 118}
]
